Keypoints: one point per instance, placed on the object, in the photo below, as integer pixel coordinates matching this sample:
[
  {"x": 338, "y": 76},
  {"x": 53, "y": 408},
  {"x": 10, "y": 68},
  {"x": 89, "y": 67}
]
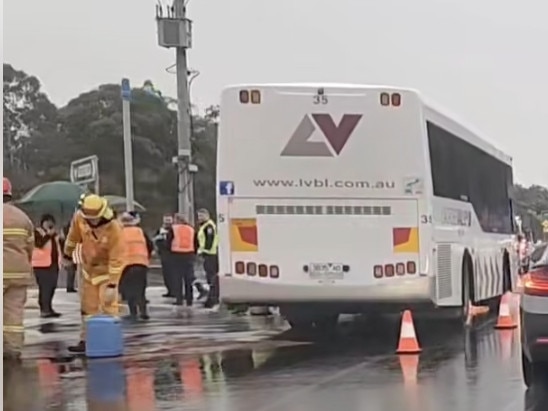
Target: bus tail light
[
  {"x": 535, "y": 282},
  {"x": 274, "y": 271},
  {"x": 396, "y": 99},
  {"x": 251, "y": 269},
  {"x": 377, "y": 271},
  {"x": 385, "y": 99},
  {"x": 389, "y": 270},
  {"x": 263, "y": 270},
  {"x": 244, "y": 96},
  {"x": 411, "y": 267},
  {"x": 255, "y": 97},
  {"x": 400, "y": 269},
  {"x": 239, "y": 267}
]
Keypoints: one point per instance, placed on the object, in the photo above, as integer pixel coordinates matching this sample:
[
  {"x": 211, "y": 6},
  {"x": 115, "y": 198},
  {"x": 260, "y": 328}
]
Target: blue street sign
[
  {"x": 226, "y": 188},
  {"x": 126, "y": 89}
]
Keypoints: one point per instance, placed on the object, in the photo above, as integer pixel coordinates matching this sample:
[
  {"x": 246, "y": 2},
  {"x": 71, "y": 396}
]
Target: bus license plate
[{"x": 326, "y": 271}]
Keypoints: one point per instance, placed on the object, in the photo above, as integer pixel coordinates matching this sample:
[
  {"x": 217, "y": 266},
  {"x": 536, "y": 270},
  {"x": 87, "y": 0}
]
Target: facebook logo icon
[{"x": 226, "y": 188}]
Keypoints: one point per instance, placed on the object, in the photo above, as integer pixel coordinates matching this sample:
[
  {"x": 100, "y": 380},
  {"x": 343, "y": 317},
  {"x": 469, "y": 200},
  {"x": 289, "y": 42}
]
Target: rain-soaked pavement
[{"x": 214, "y": 361}]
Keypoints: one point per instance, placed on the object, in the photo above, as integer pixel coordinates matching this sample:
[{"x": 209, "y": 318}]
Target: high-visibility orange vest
[
  {"x": 136, "y": 246},
  {"x": 183, "y": 239},
  {"x": 41, "y": 257}
]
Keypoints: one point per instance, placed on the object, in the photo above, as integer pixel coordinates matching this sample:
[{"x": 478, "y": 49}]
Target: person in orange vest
[
  {"x": 18, "y": 233},
  {"x": 45, "y": 263},
  {"x": 139, "y": 248},
  {"x": 181, "y": 241},
  {"x": 103, "y": 252}
]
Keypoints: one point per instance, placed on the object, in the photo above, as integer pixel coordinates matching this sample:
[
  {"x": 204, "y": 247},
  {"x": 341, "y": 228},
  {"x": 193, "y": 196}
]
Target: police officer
[
  {"x": 164, "y": 253},
  {"x": 208, "y": 242}
]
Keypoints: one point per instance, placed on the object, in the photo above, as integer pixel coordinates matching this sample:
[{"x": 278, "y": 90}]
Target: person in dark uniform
[
  {"x": 164, "y": 253},
  {"x": 208, "y": 242},
  {"x": 45, "y": 263}
]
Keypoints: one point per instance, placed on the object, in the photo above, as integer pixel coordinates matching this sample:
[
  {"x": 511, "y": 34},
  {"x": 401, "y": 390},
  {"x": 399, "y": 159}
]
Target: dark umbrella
[{"x": 59, "y": 198}]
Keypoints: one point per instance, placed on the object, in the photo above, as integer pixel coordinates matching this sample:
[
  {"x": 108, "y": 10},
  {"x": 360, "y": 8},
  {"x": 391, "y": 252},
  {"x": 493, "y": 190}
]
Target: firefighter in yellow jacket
[
  {"x": 96, "y": 228},
  {"x": 18, "y": 233}
]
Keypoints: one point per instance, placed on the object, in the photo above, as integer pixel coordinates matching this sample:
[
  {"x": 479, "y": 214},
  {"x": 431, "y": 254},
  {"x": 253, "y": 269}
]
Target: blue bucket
[{"x": 104, "y": 337}]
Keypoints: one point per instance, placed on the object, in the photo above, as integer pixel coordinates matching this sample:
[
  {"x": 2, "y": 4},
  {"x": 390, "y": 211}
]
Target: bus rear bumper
[{"x": 271, "y": 292}]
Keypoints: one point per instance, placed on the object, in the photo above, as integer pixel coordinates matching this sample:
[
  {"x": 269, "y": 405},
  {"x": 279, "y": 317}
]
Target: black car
[{"x": 534, "y": 317}]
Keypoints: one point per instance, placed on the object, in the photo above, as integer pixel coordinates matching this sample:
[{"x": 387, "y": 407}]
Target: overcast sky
[{"x": 485, "y": 60}]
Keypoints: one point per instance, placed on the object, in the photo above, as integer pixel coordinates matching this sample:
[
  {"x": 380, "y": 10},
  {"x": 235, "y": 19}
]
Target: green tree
[{"x": 30, "y": 124}]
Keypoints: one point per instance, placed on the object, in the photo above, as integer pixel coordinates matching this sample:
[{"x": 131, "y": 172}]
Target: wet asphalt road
[{"x": 213, "y": 361}]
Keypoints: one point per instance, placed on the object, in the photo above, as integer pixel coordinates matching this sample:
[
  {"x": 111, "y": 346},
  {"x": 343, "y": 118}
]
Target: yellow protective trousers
[
  {"x": 15, "y": 297},
  {"x": 92, "y": 300}
]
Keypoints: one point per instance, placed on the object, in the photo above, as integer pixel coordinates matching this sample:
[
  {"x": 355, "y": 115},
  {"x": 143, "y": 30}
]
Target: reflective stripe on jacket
[
  {"x": 212, "y": 250},
  {"x": 18, "y": 233},
  {"x": 183, "y": 239},
  {"x": 41, "y": 256},
  {"x": 136, "y": 246}
]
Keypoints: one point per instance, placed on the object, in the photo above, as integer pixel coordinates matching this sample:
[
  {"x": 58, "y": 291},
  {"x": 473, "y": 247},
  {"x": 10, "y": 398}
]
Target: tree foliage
[
  {"x": 41, "y": 140},
  {"x": 30, "y": 119}
]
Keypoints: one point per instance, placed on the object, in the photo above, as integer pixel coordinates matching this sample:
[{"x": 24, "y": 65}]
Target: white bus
[{"x": 350, "y": 198}]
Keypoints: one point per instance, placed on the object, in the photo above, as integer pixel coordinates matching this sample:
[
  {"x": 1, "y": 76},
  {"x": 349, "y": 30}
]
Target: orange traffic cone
[
  {"x": 505, "y": 320},
  {"x": 408, "y": 339}
]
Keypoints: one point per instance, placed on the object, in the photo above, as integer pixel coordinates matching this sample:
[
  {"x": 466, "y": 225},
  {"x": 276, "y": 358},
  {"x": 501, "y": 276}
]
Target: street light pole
[
  {"x": 128, "y": 149},
  {"x": 174, "y": 31}
]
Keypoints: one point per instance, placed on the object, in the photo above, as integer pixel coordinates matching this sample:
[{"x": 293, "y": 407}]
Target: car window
[{"x": 539, "y": 256}]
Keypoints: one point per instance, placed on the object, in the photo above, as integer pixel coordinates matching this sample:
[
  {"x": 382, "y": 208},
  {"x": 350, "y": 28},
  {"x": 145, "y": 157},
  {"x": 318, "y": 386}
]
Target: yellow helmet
[{"x": 94, "y": 206}]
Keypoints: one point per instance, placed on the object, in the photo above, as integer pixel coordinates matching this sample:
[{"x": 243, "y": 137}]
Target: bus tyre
[{"x": 467, "y": 287}]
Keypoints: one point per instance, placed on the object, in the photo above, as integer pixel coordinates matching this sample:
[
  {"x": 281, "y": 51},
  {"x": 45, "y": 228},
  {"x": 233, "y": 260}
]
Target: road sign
[
  {"x": 545, "y": 226},
  {"x": 85, "y": 170},
  {"x": 126, "y": 89}
]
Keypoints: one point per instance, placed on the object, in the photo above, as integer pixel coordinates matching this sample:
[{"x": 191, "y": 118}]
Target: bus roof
[
  {"x": 433, "y": 112},
  {"x": 452, "y": 123}
]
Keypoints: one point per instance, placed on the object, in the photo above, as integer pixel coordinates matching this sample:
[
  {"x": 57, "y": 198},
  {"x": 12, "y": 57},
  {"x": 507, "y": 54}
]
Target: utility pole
[{"x": 175, "y": 31}]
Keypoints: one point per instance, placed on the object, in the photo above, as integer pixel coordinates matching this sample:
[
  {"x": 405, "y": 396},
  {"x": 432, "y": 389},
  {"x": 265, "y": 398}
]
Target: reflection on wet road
[{"x": 355, "y": 369}]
